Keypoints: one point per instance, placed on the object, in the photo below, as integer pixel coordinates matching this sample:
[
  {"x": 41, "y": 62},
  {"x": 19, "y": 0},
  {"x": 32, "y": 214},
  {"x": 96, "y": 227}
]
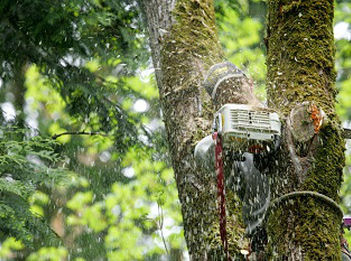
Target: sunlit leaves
[
  {"x": 92, "y": 65},
  {"x": 122, "y": 243},
  {"x": 8, "y": 247},
  {"x": 49, "y": 253},
  {"x": 130, "y": 215},
  {"x": 344, "y": 100},
  {"x": 145, "y": 89},
  {"x": 343, "y": 61}
]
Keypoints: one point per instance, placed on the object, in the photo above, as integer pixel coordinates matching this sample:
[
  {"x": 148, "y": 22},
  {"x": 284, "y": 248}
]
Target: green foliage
[
  {"x": 47, "y": 32},
  {"x": 343, "y": 64},
  {"x": 49, "y": 253},
  {"x": 8, "y": 246},
  {"x": 131, "y": 211},
  {"x": 27, "y": 164},
  {"x": 65, "y": 39},
  {"x": 88, "y": 219}
]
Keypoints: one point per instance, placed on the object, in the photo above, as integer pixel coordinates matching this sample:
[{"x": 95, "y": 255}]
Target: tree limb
[
  {"x": 91, "y": 133},
  {"x": 346, "y": 133}
]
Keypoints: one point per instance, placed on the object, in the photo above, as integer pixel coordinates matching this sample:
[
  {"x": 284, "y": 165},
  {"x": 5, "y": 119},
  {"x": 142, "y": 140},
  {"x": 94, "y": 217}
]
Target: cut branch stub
[
  {"x": 346, "y": 133},
  {"x": 305, "y": 121}
]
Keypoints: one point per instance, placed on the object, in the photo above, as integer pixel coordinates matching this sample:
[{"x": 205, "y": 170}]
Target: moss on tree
[
  {"x": 300, "y": 64},
  {"x": 190, "y": 47}
]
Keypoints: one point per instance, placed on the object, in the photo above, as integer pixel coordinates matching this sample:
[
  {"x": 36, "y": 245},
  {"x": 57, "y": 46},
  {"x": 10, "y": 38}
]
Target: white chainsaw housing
[{"x": 243, "y": 125}]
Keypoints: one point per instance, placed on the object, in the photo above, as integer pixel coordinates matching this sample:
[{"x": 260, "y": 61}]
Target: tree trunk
[
  {"x": 300, "y": 82},
  {"x": 304, "y": 224},
  {"x": 184, "y": 45},
  {"x": 18, "y": 90}
]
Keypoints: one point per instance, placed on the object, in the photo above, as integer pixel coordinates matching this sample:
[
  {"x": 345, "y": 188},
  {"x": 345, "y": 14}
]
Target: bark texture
[
  {"x": 184, "y": 45},
  {"x": 18, "y": 90},
  {"x": 300, "y": 83}
]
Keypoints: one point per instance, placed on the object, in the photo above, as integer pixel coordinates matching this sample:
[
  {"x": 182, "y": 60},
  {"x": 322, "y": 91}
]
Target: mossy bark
[
  {"x": 300, "y": 62},
  {"x": 184, "y": 45}
]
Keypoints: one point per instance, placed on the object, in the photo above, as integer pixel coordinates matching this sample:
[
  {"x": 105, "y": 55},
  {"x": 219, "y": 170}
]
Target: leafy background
[{"x": 84, "y": 66}]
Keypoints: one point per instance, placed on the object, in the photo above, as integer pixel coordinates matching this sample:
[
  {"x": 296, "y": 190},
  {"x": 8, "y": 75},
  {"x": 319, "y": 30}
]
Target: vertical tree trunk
[
  {"x": 301, "y": 76},
  {"x": 18, "y": 90},
  {"x": 184, "y": 45}
]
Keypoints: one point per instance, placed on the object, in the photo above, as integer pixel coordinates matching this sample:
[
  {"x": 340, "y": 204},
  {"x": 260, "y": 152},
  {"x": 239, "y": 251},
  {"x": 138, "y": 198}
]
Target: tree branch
[
  {"x": 78, "y": 133},
  {"x": 160, "y": 226},
  {"x": 346, "y": 133}
]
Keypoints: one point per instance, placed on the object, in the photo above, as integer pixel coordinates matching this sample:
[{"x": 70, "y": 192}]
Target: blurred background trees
[{"x": 84, "y": 66}]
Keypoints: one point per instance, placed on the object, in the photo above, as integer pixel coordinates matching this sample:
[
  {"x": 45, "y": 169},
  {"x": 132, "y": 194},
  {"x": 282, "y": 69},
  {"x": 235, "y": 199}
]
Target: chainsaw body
[
  {"x": 244, "y": 128},
  {"x": 249, "y": 137}
]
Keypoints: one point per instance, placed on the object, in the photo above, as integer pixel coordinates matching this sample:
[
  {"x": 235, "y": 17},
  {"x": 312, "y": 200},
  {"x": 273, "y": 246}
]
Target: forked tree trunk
[
  {"x": 184, "y": 45},
  {"x": 301, "y": 77}
]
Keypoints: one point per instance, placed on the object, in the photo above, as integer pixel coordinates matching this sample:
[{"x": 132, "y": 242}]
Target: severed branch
[
  {"x": 91, "y": 133},
  {"x": 346, "y": 133}
]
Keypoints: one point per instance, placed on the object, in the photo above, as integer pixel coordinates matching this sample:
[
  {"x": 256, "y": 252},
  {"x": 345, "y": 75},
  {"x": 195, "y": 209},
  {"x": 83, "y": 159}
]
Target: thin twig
[
  {"x": 144, "y": 128},
  {"x": 79, "y": 133},
  {"x": 160, "y": 226}
]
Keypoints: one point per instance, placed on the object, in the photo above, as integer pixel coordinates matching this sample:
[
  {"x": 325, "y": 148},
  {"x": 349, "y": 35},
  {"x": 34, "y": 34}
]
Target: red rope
[{"x": 221, "y": 191}]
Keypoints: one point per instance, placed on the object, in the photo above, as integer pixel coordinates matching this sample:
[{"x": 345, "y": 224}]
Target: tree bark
[
  {"x": 184, "y": 45},
  {"x": 300, "y": 82},
  {"x": 18, "y": 90}
]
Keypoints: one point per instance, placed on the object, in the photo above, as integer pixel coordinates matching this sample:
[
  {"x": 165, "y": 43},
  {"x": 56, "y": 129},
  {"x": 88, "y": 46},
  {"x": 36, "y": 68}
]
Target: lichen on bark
[{"x": 300, "y": 62}]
